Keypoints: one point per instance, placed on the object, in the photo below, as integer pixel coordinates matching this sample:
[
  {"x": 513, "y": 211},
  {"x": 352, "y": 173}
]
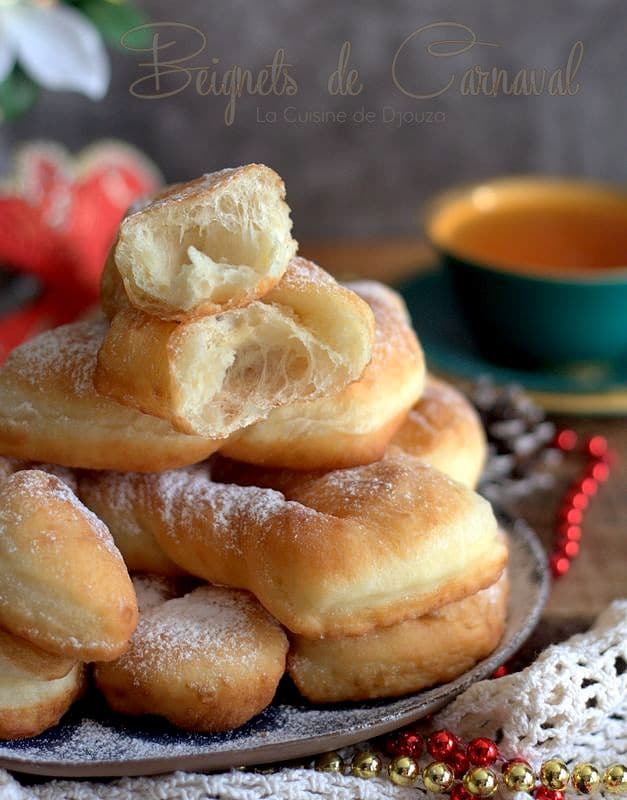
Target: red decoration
[
  {"x": 405, "y": 743},
  {"x": 500, "y": 672},
  {"x": 577, "y": 499},
  {"x": 58, "y": 218},
  {"x": 566, "y": 440},
  {"x": 458, "y": 761},
  {"x": 459, "y": 793},
  {"x": 542, "y": 793},
  {"x": 482, "y": 752},
  {"x": 440, "y": 744},
  {"x": 596, "y": 447}
]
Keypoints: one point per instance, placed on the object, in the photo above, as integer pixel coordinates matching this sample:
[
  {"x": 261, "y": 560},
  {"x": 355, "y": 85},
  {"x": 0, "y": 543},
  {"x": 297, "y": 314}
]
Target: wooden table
[{"x": 599, "y": 574}]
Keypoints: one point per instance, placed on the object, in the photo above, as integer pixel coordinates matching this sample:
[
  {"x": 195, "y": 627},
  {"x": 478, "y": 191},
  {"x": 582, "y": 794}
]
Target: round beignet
[
  {"x": 208, "y": 661},
  {"x": 444, "y": 430},
  {"x": 403, "y": 658},
  {"x": 307, "y": 338},
  {"x": 28, "y": 706},
  {"x": 63, "y": 584},
  {"x": 51, "y": 412},
  {"x": 202, "y": 247},
  {"x": 21, "y": 660},
  {"x": 355, "y": 426},
  {"x": 334, "y": 554}
]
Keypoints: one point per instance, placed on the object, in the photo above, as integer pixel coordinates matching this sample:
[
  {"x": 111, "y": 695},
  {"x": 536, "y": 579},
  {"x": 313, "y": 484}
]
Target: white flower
[{"x": 55, "y": 45}]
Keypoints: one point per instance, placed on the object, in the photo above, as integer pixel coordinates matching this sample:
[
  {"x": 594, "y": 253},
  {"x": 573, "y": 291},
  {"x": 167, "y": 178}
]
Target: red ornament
[
  {"x": 58, "y": 218},
  {"x": 542, "y": 793},
  {"x": 405, "y": 743},
  {"x": 596, "y": 447},
  {"x": 500, "y": 672},
  {"x": 458, "y": 760},
  {"x": 559, "y": 565},
  {"x": 589, "y": 486},
  {"x": 572, "y": 516},
  {"x": 482, "y": 752},
  {"x": 578, "y": 500},
  {"x": 440, "y": 744},
  {"x": 459, "y": 793},
  {"x": 566, "y": 440},
  {"x": 600, "y": 471},
  {"x": 571, "y": 549}
]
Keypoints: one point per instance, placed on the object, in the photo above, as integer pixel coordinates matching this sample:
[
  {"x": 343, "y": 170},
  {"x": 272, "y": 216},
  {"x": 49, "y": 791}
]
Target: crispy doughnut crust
[
  {"x": 355, "y": 426},
  {"x": 21, "y": 660},
  {"x": 105, "y": 494},
  {"x": 333, "y": 555},
  {"x": 208, "y": 661},
  {"x": 444, "y": 430},
  {"x": 202, "y": 247},
  {"x": 403, "y": 658},
  {"x": 307, "y": 338},
  {"x": 63, "y": 584},
  {"x": 28, "y": 706},
  {"x": 50, "y": 411}
]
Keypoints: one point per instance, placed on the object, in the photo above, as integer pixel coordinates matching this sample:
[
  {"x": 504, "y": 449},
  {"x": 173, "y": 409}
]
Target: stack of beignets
[{"x": 262, "y": 447}]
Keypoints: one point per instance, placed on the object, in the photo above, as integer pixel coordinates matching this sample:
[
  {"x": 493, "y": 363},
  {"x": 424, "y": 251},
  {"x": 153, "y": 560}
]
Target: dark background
[{"x": 370, "y": 179}]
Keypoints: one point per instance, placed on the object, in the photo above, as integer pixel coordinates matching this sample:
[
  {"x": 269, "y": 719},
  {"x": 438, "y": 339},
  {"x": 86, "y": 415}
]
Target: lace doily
[{"x": 571, "y": 701}]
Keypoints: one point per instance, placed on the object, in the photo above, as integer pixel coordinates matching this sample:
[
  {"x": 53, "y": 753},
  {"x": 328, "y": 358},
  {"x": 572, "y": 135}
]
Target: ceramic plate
[
  {"x": 590, "y": 389},
  {"x": 91, "y": 742}
]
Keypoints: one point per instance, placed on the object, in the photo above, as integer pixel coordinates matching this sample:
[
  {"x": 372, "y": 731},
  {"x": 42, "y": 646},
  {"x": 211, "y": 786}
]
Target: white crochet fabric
[{"x": 572, "y": 701}]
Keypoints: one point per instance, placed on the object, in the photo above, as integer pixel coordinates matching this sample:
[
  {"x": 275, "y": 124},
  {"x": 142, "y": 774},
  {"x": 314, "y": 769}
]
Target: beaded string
[{"x": 473, "y": 770}]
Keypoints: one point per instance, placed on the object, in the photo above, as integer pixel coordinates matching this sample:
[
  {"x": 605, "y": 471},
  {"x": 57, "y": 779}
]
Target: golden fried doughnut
[
  {"x": 208, "y": 661},
  {"x": 10, "y": 465},
  {"x": 355, "y": 426},
  {"x": 336, "y": 554},
  {"x": 202, "y": 247},
  {"x": 50, "y": 411},
  {"x": 403, "y": 658},
  {"x": 21, "y": 660},
  {"x": 63, "y": 584},
  {"x": 28, "y": 706},
  {"x": 307, "y": 338},
  {"x": 105, "y": 493},
  {"x": 444, "y": 430}
]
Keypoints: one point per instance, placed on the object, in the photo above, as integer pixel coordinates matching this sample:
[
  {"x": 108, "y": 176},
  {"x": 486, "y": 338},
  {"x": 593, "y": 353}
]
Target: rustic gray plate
[{"x": 91, "y": 742}]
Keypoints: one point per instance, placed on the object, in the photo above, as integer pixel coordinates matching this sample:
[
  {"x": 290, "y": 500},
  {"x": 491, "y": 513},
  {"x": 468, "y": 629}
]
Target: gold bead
[
  {"x": 615, "y": 779},
  {"x": 480, "y": 782},
  {"x": 329, "y": 762},
  {"x": 438, "y": 777},
  {"x": 403, "y": 771},
  {"x": 585, "y": 778},
  {"x": 519, "y": 777},
  {"x": 366, "y": 764},
  {"x": 554, "y": 774}
]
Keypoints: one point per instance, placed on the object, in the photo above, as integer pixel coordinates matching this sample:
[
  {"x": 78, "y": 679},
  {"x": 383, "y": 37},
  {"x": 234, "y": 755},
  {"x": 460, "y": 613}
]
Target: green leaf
[
  {"x": 112, "y": 18},
  {"x": 18, "y": 92}
]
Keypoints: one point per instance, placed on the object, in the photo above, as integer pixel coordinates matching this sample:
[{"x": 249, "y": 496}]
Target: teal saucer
[{"x": 596, "y": 388}]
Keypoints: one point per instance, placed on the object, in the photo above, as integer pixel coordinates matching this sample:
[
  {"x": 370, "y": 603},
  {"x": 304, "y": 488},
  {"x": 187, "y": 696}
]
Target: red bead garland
[
  {"x": 576, "y": 501},
  {"x": 440, "y": 744},
  {"x": 405, "y": 743},
  {"x": 542, "y": 793},
  {"x": 482, "y": 752}
]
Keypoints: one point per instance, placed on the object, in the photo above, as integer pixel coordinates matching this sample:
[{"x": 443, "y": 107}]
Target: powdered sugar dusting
[
  {"x": 51, "y": 352},
  {"x": 219, "y": 626},
  {"x": 41, "y": 487}
]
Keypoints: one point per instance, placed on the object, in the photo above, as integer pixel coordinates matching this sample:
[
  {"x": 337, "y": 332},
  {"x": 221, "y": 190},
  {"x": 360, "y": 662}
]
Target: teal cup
[{"x": 540, "y": 314}]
